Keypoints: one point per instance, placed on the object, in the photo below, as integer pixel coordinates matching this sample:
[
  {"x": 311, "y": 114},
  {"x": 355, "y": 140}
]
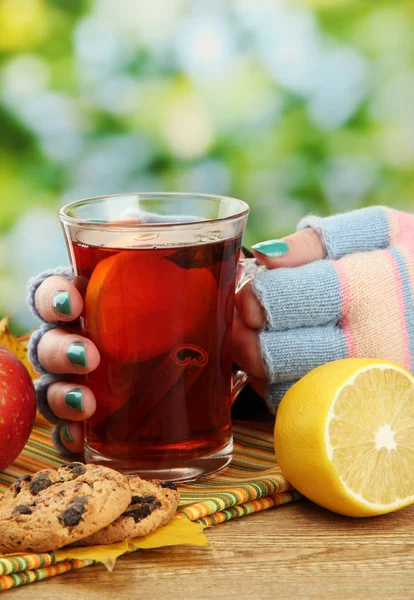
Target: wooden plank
[{"x": 298, "y": 550}]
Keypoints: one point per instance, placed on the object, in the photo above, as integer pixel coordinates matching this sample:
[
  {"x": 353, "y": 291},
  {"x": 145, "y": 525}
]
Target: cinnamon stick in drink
[{"x": 182, "y": 367}]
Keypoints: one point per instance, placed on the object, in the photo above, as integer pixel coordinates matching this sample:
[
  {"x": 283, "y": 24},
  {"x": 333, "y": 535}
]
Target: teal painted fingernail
[
  {"x": 272, "y": 248},
  {"x": 76, "y": 353},
  {"x": 73, "y": 399},
  {"x": 61, "y": 303},
  {"x": 66, "y": 434}
]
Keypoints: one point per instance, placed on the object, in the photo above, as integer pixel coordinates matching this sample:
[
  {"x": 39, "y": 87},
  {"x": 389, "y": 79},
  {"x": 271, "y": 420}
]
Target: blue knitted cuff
[
  {"x": 357, "y": 231},
  {"x": 289, "y": 355},
  {"x": 57, "y": 442},
  {"x": 41, "y": 387},
  {"x": 275, "y": 394},
  {"x": 35, "y": 282},
  {"x": 305, "y": 296},
  {"x": 33, "y": 344}
]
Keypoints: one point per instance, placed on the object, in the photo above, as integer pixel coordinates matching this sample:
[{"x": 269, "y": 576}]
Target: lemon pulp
[{"x": 370, "y": 436}]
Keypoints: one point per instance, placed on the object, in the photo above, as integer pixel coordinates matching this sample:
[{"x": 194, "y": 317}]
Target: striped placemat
[{"x": 251, "y": 483}]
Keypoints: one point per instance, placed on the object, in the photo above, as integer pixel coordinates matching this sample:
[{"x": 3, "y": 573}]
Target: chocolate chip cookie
[
  {"x": 153, "y": 504},
  {"x": 56, "y": 507}
]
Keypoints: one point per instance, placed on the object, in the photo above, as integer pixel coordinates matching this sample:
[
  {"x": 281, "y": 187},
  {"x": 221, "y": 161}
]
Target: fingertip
[
  {"x": 71, "y": 402},
  {"x": 294, "y": 250},
  {"x": 249, "y": 308},
  {"x": 71, "y": 436},
  {"x": 268, "y": 261},
  {"x": 60, "y": 352},
  {"x": 93, "y": 356},
  {"x": 76, "y": 302},
  {"x": 269, "y": 252},
  {"x": 81, "y": 355},
  {"x": 57, "y": 299},
  {"x": 272, "y": 248},
  {"x": 246, "y": 348}
]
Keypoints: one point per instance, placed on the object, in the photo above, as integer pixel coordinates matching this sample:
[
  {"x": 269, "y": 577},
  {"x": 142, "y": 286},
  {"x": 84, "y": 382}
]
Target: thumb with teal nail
[{"x": 294, "y": 250}]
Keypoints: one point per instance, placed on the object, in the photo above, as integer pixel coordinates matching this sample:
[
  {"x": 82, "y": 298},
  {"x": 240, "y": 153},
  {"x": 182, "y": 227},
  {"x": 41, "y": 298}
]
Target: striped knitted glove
[{"x": 358, "y": 302}]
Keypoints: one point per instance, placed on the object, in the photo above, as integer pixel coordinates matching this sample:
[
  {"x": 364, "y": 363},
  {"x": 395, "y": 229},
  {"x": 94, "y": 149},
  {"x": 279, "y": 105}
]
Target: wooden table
[{"x": 297, "y": 551}]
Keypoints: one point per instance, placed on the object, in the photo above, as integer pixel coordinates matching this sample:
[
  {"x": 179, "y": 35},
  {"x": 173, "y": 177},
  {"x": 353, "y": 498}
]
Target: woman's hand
[
  {"x": 356, "y": 302},
  {"x": 64, "y": 352},
  {"x": 250, "y": 317}
]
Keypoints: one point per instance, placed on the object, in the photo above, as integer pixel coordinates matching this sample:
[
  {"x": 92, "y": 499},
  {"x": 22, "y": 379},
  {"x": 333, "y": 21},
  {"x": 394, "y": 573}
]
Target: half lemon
[{"x": 344, "y": 436}]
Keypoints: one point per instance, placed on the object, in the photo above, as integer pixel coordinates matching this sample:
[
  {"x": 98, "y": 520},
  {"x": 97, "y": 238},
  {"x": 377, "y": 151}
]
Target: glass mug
[{"x": 158, "y": 273}]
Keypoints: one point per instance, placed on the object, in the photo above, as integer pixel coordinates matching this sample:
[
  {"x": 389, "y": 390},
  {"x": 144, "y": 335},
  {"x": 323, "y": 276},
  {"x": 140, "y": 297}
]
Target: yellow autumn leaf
[
  {"x": 107, "y": 555},
  {"x": 179, "y": 531},
  {"x": 16, "y": 345}
]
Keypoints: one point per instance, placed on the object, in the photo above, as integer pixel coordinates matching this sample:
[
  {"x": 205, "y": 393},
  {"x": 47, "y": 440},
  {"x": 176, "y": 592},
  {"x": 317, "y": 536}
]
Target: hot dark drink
[{"x": 162, "y": 320}]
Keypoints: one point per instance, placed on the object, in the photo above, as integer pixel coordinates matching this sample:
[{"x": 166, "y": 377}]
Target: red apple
[{"x": 17, "y": 407}]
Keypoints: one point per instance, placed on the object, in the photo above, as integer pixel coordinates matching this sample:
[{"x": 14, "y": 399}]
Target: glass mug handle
[{"x": 248, "y": 268}]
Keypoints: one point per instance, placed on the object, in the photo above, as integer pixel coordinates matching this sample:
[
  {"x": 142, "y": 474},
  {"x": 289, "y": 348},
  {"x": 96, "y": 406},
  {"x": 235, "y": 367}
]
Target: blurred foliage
[{"x": 293, "y": 106}]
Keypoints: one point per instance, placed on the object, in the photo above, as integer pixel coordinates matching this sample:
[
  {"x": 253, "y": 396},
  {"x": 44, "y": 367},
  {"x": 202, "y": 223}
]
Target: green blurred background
[{"x": 292, "y": 106}]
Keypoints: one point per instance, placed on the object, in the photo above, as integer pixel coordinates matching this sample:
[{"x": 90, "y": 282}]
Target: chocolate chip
[
  {"x": 80, "y": 500},
  {"x": 76, "y": 468},
  {"x": 17, "y": 483},
  {"x": 142, "y": 512},
  {"x": 22, "y": 509},
  {"x": 39, "y": 482},
  {"x": 141, "y": 499},
  {"x": 73, "y": 515},
  {"x": 170, "y": 485},
  {"x": 24, "y": 478}
]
